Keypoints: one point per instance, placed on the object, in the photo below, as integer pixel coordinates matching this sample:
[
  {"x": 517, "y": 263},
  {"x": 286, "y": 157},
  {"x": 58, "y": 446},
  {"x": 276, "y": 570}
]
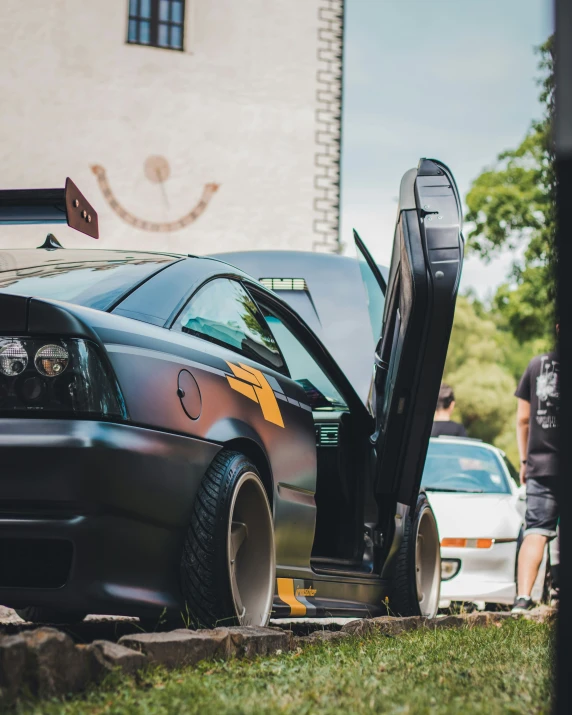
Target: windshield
[
  {"x": 95, "y": 284},
  {"x": 456, "y": 467}
]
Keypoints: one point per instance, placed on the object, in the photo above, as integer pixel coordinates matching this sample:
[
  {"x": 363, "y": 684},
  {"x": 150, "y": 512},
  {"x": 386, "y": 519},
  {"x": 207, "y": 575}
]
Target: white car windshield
[{"x": 463, "y": 467}]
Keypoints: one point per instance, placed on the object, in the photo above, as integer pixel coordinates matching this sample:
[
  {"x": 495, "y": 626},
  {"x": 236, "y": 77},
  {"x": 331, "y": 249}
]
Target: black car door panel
[{"x": 420, "y": 303}]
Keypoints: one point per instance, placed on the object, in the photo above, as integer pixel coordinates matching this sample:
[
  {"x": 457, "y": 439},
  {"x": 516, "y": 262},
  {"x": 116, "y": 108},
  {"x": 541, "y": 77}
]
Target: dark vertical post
[
  {"x": 563, "y": 143},
  {"x": 154, "y": 22}
]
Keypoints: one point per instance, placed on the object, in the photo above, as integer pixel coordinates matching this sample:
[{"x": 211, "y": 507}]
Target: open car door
[{"x": 417, "y": 319}]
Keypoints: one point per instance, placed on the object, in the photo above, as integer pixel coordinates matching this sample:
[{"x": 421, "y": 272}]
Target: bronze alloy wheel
[
  {"x": 250, "y": 549},
  {"x": 415, "y": 574},
  {"x": 428, "y": 565},
  {"x": 228, "y": 566}
]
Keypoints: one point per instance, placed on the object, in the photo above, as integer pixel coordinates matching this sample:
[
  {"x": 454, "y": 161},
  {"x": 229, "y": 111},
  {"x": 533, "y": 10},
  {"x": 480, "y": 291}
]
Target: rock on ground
[
  {"x": 250, "y": 641},
  {"x": 53, "y": 664},
  {"x": 105, "y": 657},
  {"x": 12, "y": 666},
  {"x": 178, "y": 648}
]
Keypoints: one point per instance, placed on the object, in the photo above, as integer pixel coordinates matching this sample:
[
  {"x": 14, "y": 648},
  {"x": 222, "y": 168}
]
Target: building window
[{"x": 158, "y": 23}]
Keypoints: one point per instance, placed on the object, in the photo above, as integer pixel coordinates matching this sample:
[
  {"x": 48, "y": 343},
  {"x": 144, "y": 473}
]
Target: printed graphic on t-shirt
[{"x": 547, "y": 392}]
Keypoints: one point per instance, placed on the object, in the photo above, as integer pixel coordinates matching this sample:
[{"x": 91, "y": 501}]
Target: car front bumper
[
  {"x": 93, "y": 514},
  {"x": 485, "y": 575}
]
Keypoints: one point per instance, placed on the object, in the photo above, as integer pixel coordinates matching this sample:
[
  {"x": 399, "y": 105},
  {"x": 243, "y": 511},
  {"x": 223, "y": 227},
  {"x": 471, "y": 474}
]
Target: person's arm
[{"x": 522, "y": 430}]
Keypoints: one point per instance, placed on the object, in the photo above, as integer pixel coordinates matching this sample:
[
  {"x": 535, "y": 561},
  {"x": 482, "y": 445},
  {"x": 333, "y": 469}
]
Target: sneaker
[{"x": 522, "y": 604}]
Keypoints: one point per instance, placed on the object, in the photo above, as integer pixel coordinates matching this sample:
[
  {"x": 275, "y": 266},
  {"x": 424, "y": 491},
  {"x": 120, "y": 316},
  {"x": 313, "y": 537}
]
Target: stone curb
[
  {"x": 47, "y": 663},
  {"x": 392, "y": 626}
]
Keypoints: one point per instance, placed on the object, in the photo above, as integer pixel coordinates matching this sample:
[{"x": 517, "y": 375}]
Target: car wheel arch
[{"x": 254, "y": 452}]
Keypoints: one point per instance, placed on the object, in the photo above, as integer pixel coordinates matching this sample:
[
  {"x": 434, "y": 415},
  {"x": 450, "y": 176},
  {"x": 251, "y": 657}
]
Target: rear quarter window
[{"x": 90, "y": 283}]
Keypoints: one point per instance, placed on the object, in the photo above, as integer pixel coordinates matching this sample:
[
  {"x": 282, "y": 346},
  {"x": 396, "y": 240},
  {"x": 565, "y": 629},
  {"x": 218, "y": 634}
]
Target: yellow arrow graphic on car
[{"x": 251, "y": 383}]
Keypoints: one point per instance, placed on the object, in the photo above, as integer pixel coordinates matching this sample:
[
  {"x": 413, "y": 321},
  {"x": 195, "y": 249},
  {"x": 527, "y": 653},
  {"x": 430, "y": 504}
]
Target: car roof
[
  {"x": 21, "y": 258},
  {"x": 469, "y": 441}
]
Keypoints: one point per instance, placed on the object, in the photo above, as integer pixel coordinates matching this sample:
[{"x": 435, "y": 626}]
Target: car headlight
[{"x": 449, "y": 568}]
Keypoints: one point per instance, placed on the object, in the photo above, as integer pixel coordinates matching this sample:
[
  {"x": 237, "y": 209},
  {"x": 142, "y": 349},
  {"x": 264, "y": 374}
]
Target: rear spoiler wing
[{"x": 67, "y": 205}]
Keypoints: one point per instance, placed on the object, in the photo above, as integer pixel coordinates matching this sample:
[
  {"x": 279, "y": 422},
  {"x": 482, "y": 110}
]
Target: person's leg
[
  {"x": 541, "y": 520},
  {"x": 529, "y": 560},
  {"x": 554, "y": 550}
]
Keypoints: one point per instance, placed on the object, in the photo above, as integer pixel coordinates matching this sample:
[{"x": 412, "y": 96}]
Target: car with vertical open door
[{"x": 177, "y": 437}]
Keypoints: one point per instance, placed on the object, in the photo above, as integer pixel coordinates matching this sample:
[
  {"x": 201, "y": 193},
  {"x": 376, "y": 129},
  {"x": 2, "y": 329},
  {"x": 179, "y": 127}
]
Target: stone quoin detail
[{"x": 326, "y": 225}]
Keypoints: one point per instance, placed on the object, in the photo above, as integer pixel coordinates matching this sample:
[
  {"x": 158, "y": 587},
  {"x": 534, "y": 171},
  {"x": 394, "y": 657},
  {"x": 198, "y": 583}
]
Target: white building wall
[{"x": 252, "y": 104}]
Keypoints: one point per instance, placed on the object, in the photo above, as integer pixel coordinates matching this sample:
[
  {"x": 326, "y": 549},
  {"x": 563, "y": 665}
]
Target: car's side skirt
[{"x": 318, "y": 598}]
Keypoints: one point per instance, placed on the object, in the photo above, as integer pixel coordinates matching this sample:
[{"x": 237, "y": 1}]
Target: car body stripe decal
[
  {"x": 269, "y": 388},
  {"x": 302, "y": 592},
  {"x": 286, "y": 594},
  {"x": 255, "y": 386},
  {"x": 159, "y": 355}
]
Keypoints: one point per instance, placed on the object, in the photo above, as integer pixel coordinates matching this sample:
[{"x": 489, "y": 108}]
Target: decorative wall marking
[
  {"x": 157, "y": 170},
  {"x": 328, "y": 125}
]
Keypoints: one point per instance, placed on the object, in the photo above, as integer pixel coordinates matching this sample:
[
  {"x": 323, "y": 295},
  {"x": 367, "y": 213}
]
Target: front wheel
[
  {"x": 228, "y": 566},
  {"x": 415, "y": 586}
]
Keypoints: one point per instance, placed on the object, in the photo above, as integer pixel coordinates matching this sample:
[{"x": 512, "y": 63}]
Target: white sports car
[{"x": 479, "y": 506}]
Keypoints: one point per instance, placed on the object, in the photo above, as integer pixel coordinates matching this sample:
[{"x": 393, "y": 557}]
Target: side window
[
  {"x": 374, "y": 285},
  {"x": 320, "y": 391},
  {"x": 223, "y": 313}
]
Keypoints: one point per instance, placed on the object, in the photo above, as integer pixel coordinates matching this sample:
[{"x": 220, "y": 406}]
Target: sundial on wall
[{"x": 156, "y": 170}]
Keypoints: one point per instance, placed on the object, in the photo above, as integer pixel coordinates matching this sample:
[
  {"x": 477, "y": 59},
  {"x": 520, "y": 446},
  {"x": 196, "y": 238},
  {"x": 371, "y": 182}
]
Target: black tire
[
  {"x": 211, "y": 594},
  {"x": 405, "y": 598},
  {"x": 49, "y": 616}
]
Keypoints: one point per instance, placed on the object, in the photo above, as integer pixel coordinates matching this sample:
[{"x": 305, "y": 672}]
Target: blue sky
[{"x": 450, "y": 79}]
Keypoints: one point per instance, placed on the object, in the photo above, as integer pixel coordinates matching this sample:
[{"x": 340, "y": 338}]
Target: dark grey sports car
[{"x": 181, "y": 435}]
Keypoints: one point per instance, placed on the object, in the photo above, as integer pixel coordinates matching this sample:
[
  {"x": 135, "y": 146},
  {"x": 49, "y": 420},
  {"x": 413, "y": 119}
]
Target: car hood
[{"x": 474, "y": 516}]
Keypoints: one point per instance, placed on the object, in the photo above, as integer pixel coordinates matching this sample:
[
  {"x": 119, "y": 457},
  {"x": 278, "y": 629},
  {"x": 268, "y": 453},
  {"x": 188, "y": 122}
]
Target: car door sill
[{"x": 330, "y": 569}]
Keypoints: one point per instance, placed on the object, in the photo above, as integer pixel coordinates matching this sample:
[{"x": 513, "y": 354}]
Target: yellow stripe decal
[
  {"x": 286, "y": 594},
  {"x": 251, "y": 383}
]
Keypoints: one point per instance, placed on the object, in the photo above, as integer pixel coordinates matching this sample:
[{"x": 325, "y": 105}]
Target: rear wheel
[
  {"x": 228, "y": 565},
  {"x": 416, "y": 574},
  {"x": 51, "y": 616}
]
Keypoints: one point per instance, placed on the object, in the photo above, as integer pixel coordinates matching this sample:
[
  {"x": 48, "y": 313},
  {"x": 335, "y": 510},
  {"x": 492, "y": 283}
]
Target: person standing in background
[
  {"x": 537, "y": 436},
  {"x": 443, "y": 424}
]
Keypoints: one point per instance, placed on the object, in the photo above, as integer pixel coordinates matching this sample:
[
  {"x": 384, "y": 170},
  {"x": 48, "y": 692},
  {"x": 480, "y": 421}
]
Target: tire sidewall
[
  {"x": 403, "y": 592},
  {"x": 423, "y": 507},
  {"x": 239, "y": 466}
]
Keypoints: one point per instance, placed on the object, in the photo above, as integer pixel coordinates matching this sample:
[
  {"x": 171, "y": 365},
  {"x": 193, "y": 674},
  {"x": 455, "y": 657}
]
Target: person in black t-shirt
[
  {"x": 537, "y": 436},
  {"x": 443, "y": 424}
]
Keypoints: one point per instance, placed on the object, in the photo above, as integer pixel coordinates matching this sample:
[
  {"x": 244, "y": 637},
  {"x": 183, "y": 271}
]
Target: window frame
[
  {"x": 154, "y": 24},
  {"x": 311, "y": 344},
  {"x": 174, "y": 324}
]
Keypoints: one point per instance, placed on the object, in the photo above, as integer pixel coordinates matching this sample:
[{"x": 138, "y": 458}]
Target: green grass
[{"x": 489, "y": 670}]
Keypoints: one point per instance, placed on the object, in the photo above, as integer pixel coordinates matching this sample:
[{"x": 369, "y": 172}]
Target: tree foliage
[
  {"x": 484, "y": 364},
  {"x": 512, "y": 205}
]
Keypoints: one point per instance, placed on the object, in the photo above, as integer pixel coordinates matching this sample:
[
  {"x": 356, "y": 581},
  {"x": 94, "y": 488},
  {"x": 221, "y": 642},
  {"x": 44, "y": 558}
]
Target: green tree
[
  {"x": 484, "y": 364},
  {"x": 476, "y": 368},
  {"x": 512, "y": 205}
]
